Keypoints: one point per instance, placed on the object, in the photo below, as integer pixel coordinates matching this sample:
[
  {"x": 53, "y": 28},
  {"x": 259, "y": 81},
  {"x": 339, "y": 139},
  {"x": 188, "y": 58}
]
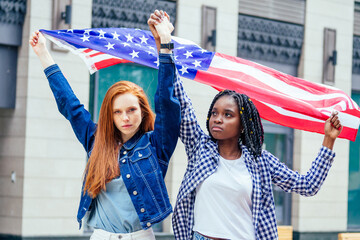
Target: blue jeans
[{"x": 198, "y": 236}]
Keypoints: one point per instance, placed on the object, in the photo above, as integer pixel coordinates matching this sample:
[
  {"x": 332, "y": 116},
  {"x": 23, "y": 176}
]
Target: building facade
[{"x": 41, "y": 162}]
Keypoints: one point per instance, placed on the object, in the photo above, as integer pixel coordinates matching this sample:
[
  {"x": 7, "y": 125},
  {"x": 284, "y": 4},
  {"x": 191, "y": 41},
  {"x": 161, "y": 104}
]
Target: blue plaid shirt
[{"x": 203, "y": 158}]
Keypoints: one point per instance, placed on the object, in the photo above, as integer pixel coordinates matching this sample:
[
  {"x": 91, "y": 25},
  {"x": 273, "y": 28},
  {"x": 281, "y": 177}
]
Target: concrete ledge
[
  {"x": 315, "y": 235},
  {"x": 349, "y": 236}
]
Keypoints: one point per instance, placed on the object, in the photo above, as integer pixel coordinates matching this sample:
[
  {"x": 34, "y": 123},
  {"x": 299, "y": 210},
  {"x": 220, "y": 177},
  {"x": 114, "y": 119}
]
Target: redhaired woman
[
  {"x": 226, "y": 192},
  {"x": 129, "y": 148}
]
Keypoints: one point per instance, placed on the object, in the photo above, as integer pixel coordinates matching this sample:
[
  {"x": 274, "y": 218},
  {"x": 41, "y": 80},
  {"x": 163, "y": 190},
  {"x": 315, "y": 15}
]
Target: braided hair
[{"x": 253, "y": 133}]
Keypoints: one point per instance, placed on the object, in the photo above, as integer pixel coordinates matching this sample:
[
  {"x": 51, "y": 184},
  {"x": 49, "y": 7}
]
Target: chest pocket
[
  {"x": 143, "y": 161},
  {"x": 266, "y": 195}
]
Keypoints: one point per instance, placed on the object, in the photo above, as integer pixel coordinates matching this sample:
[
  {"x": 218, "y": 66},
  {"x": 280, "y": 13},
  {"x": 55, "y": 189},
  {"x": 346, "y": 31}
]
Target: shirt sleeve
[
  {"x": 291, "y": 181},
  {"x": 70, "y": 107},
  {"x": 167, "y": 110},
  {"x": 190, "y": 130}
]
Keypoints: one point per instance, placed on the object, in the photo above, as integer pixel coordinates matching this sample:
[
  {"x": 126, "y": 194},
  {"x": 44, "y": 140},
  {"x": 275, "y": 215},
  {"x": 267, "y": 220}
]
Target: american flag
[{"x": 279, "y": 97}]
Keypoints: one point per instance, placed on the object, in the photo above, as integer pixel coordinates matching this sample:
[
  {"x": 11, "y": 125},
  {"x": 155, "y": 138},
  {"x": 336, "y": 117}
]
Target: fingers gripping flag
[{"x": 280, "y": 98}]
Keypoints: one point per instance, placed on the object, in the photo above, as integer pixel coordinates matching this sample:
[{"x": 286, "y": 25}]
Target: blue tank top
[{"x": 113, "y": 210}]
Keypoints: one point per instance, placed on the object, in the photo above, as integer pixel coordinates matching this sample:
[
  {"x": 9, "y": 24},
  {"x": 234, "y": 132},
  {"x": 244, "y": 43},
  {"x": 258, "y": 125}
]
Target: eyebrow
[
  {"x": 133, "y": 106},
  {"x": 226, "y": 110}
]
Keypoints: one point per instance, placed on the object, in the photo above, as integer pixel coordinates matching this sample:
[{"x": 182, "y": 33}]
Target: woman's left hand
[
  {"x": 332, "y": 130},
  {"x": 333, "y": 126}
]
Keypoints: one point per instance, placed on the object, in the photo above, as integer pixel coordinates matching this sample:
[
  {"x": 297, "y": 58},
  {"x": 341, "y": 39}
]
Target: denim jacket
[{"x": 143, "y": 159}]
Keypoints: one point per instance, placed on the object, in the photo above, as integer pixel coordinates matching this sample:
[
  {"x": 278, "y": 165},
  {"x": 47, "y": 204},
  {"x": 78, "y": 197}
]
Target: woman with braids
[
  {"x": 226, "y": 192},
  {"x": 129, "y": 148}
]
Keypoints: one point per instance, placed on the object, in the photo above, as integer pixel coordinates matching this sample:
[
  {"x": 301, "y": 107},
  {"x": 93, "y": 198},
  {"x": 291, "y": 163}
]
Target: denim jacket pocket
[{"x": 143, "y": 162}]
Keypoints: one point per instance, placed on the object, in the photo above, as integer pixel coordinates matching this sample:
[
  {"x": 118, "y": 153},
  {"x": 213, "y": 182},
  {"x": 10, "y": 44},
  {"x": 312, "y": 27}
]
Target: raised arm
[
  {"x": 68, "y": 104},
  {"x": 167, "y": 107},
  {"x": 190, "y": 131},
  {"x": 310, "y": 183}
]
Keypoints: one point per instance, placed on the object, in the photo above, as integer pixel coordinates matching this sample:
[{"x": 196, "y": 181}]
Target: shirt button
[
  {"x": 148, "y": 224},
  {"x": 135, "y": 192},
  {"x": 142, "y": 210},
  {"x": 123, "y": 161},
  {"x": 127, "y": 175},
  {"x": 124, "y": 152}
]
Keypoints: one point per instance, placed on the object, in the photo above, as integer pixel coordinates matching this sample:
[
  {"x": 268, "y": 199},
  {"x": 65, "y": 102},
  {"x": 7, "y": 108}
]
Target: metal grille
[
  {"x": 282, "y": 10},
  {"x": 357, "y": 18},
  {"x": 12, "y": 11},
  {"x": 269, "y": 40},
  {"x": 130, "y": 14}
]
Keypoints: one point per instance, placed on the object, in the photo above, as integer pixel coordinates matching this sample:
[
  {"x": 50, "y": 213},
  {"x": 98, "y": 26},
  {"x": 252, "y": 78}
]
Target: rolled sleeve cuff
[
  {"x": 327, "y": 154},
  {"x": 166, "y": 58},
  {"x": 51, "y": 70}
]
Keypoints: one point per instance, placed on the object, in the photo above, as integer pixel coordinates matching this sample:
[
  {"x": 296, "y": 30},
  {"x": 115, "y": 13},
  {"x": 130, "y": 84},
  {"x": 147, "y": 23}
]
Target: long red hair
[{"x": 103, "y": 165}]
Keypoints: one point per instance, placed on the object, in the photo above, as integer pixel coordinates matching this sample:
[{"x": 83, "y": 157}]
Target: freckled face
[
  {"x": 127, "y": 115},
  {"x": 224, "y": 122}
]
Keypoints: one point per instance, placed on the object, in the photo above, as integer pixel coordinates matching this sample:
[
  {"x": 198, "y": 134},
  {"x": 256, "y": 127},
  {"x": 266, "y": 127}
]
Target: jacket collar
[{"x": 130, "y": 144}]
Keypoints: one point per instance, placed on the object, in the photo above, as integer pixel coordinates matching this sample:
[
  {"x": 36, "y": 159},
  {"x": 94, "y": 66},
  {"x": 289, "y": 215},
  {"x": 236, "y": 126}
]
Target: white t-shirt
[{"x": 223, "y": 207}]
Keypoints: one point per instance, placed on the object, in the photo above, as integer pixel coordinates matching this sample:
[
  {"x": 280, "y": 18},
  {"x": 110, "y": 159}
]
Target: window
[
  {"x": 208, "y": 28},
  {"x": 8, "y": 75},
  {"x": 143, "y": 76},
  {"x": 278, "y": 141},
  {"x": 330, "y": 56}
]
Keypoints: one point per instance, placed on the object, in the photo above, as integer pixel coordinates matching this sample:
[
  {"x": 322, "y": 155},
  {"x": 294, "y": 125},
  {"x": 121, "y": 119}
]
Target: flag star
[
  {"x": 149, "y": 52},
  {"x": 175, "y": 58},
  {"x": 157, "y": 62},
  {"x": 87, "y": 31},
  {"x": 129, "y": 38},
  {"x": 110, "y": 46},
  {"x": 152, "y": 48},
  {"x": 188, "y": 54},
  {"x": 70, "y": 30},
  {"x": 183, "y": 70},
  {"x": 138, "y": 45},
  {"x": 102, "y": 33},
  {"x": 197, "y": 63},
  {"x": 143, "y": 39},
  {"x": 85, "y": 38},
  {"x": 115, "y": 36},
  {"x": 180, "y": 47},
  {"x": 126, "y": 44},
  {"x": 203, "y": 50},
  {"x": 134, "y": 54},
  {"x": 59, "y": 32}
]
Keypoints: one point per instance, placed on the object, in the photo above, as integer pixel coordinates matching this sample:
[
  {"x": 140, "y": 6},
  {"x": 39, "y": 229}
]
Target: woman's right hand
[
  {"x": 161, "y": 27},
  {"x": 38, "y": 43}
]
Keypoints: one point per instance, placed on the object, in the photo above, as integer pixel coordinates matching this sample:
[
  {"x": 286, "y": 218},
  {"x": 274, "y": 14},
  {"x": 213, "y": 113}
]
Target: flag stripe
[
  {"x": 269, "y": 79},
  {"x": 307, "y": 125},
  {"x": 337, "y": 102},
  {"x": 110, "y": 62}
]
